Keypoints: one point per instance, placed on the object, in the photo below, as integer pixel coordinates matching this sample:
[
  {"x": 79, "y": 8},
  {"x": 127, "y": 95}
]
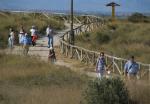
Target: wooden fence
[{"x": 90, "y": 57}]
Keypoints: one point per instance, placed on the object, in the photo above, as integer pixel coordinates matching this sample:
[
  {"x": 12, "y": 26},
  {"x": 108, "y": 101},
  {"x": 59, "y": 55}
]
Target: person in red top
[
  {"x": 34, "y": 35},
  {"x": 34, "y": 38}
]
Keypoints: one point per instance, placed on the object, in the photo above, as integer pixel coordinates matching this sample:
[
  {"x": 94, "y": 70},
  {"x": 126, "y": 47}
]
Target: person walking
[
  {"x": 21, "y": 35},
  {"x": 33, "y": 35},
  {"x": 51, "y": 56},
  {"x": 50, "y": 36},
  {"x": 131, "y": 68},
  {"x": 101, "y": 65},
  {"x": 9, "y": 42},
  {"x": 11, "y": 38},
  {"x": 26, "y": 42}
]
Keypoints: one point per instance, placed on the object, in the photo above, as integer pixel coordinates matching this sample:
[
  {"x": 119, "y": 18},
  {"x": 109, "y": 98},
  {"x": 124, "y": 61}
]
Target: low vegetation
[
  {"x": 26, "y": 80},
  {"x": 124, "y": 40},
  {"x": 16, "y": 20},
  {"x": 116, "y": 91},
  {"x": 138, "y": 17},
  {"x": 139, "y": 91},
  {"x": 106, "y": 91}
]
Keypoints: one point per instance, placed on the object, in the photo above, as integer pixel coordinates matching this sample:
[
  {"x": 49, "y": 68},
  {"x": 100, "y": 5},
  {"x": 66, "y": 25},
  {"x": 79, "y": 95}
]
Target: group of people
[
  {"x": 24, "y": 38},
  {"x": 131, "y": 68}
]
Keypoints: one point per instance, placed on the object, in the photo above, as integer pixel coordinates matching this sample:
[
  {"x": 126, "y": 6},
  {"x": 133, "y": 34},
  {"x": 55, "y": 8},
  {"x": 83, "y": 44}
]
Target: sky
[{"x": 79, "y": 5}]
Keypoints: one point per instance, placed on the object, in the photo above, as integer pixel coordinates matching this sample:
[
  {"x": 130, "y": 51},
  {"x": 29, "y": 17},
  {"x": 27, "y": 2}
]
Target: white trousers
[{"x": 100, "y": 74}]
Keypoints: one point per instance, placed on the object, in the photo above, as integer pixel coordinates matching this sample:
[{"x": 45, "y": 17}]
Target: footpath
[{"x": 41, "y": 50}]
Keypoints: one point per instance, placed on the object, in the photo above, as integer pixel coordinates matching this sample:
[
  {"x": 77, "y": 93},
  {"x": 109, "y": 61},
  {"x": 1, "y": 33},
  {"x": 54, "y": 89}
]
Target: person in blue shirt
[
  {"x": 26, "y": 42},
  {"x": 131, "y": 68},
  {"x": 100, "y": 65}
]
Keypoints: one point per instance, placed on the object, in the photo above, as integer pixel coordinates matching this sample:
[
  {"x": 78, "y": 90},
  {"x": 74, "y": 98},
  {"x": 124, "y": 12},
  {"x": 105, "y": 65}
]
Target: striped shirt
[{"x": 100, "y": 64}]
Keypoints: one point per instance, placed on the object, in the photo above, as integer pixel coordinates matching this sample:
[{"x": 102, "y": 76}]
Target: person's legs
[
  {"x": 52, "y": 60},
  {"x": 52, "y": 41},
  {"x": 48, "y": 42},
  {"x": 21, "y": 48},
  {"x": 132, "y": 78},
  {"x": 34, "y": 40},
  {"x": 33, "y": 43},
  {"x": 100, "y": 74},
  {"x": 26, "y": 49},
  {"x": 12, "y": 43},
  {"x": 9, "y": 43}
]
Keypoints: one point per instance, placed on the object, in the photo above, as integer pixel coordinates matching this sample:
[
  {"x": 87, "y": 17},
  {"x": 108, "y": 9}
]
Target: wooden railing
[{"x": 90, "y": 57}]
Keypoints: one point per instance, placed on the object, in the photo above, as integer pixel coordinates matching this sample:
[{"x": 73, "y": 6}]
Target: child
[{"x": 51, "y": 56}]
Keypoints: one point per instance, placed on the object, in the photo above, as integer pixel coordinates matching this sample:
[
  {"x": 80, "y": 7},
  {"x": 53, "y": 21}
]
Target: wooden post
[
  {"x": 94, "y": 59},
  {"x": 113, "y": 5},
  {"x": 113, "y": 65},
  {"x": 121, "y": 65},
  {"x": 139, "y": 66},
  {"x": 149, "y": 72},
  {"x": 81, "y": 55},
  {"x": 71, "y": 51},
  {"x": 106, "y": 60},
  {"x": 71, "y": 25},
  {"x": 113, "y": 13},
  {"x": 66, "y": 50},
  {"x": 62, "y": 47}
]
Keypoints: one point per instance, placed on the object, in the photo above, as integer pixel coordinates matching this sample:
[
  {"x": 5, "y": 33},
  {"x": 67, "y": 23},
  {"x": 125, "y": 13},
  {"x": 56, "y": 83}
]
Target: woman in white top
[
  {"x": 21, "y": 34},
  {"x": 11, "y": 38},
  {"x": 50, "y": 36},
  {"x": 32, "y": 30}
]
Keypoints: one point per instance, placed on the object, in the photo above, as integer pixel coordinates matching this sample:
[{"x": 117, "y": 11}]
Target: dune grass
[
  {"x": 16, "y": 20},
  {"x": 127, "y": 39},
  {"x": 139, "y": 91},
  {"x": 26, "y": 80}
]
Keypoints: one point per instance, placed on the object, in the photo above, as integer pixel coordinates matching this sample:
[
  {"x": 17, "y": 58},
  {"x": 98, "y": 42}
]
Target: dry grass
[
  {"x": 128, "y": 39},
  {"x": 11, "y": 94},
  {"x": 139, "y": 91},
  {"x": 25, "y": 80},
  {"x": 16, "y": 20}
]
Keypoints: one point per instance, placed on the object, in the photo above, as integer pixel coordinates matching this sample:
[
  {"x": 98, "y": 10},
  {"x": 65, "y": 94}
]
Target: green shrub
[
  {"x": 102, "y": 37},
  {"x": 106, "y": 91},
  {"x": 138, "y": 17}
]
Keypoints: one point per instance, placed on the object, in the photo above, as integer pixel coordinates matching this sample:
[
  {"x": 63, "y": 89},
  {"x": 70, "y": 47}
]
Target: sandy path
[{"x": 41, "y": 50}]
